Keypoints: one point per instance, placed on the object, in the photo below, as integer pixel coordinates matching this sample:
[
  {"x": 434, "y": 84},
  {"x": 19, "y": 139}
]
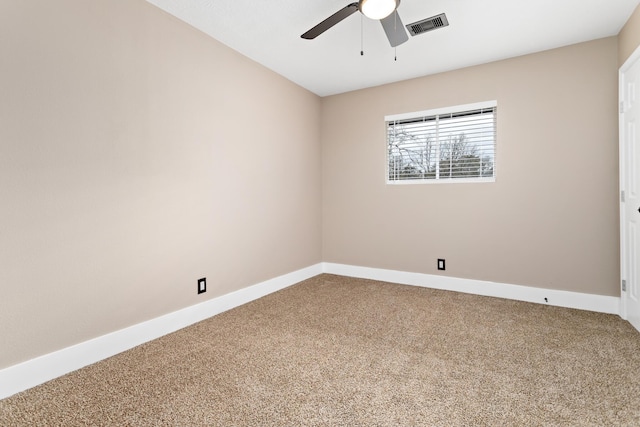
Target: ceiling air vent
[{"x": 428, "y": 24}]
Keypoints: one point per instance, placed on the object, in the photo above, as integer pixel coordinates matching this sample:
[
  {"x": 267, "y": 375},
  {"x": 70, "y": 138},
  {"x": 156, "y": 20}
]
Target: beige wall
[
  {"x": 551, "y": 218},
  {"x": 629, "y": 37},
  {"x": 136, "y": 156}
]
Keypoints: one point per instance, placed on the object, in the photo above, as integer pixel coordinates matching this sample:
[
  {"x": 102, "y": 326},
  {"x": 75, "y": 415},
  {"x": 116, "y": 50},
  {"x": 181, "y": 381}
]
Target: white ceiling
[{"x": 478, "y": 32}]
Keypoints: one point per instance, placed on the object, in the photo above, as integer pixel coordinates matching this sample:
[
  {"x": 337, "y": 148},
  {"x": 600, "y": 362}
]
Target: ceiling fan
[{"x": 383, "y": 10}]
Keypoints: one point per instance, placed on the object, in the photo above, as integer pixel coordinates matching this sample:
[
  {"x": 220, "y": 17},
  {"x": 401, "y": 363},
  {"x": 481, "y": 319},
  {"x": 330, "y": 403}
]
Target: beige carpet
[{"x": 335, "y": 351}]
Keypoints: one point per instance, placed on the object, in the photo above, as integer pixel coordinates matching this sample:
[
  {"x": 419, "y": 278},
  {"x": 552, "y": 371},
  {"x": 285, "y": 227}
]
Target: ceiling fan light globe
[{"x": 377, "y": 9}]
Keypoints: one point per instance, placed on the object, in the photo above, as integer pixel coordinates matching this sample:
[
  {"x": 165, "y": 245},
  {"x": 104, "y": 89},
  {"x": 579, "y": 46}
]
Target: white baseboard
[
  {"x": 582, "y": 301},
  {"x": 33, "y": 372}
]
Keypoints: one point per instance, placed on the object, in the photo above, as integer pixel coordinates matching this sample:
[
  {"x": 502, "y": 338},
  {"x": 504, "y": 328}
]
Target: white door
[{"x": 630, "y": 188}]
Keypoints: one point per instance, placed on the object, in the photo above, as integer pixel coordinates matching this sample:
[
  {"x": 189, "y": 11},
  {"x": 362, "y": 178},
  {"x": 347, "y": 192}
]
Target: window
[{"x": 456, "y": 144}]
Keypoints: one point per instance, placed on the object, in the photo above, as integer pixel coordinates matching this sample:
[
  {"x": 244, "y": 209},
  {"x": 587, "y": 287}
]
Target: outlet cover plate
[
  {"x": 440, "y": 264},
  {"x": 202, "y": 285}
]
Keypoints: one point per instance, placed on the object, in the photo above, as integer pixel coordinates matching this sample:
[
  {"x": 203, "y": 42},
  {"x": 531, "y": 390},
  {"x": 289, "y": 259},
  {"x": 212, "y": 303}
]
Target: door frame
[{"x": 631, "y": 60}]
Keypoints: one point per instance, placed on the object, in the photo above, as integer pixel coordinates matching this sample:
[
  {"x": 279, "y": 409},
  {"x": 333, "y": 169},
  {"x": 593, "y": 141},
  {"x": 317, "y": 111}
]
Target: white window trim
[
  {"x": 433, "y": 112},
  {"x": 440, "y": 181}
]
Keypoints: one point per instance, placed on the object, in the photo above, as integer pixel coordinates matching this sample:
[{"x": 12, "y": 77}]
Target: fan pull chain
[
  {"x": 395, "y": 25},
  {"x": 361, "y": 35}
]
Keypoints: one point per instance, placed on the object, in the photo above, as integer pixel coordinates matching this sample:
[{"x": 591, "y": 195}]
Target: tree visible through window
[{"x": 452, "y": 144}]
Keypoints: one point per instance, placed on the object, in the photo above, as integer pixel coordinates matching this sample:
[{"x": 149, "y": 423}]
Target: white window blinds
[{"x": 457, "y": 143}]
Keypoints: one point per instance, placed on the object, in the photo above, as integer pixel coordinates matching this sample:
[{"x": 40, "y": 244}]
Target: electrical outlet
[
  {"x": 440, "y": 264},
  {"x": 202, "y": 285}
]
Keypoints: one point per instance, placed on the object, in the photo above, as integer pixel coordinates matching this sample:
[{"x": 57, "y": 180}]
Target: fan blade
[
  {"x": 394, "y": 28},
  {"x": 331, "y": 21}
]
